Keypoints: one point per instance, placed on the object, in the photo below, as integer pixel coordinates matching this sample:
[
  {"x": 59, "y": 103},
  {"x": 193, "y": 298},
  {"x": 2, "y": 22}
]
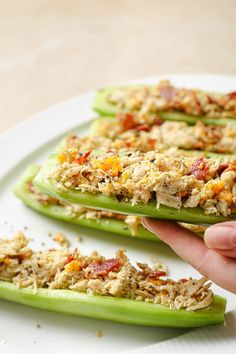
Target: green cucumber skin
[
  {"x": 113, "y": 309},
  {"x": 101, "y": 106},
  {"x": 99, "y": 201},
  {"x": 97, "y": 123},
  {"x": 59, "y": 212}
]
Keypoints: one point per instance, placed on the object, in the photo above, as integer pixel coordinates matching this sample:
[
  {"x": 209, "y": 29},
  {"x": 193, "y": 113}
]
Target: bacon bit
[
  {"x": 213, "y": 132},
  {"x": 232, "y": 166},
  {"x": 197, "y": 296},
  {"x": 222, "y": 168},
  {"x": 152, "y": 143},
  {"x": 183, "y": 280},
  {"x": 127, "y": 121},
  {"x": 143, "y": 127},
  {"x": 199, "y": 145},
  {"x": 232, "y": 95},
  {"x": 157, "y": 281},
  {"x": 146, "y": 273},
  {"x": 168, "y": 93},
  {"x": 199, "y": 168},
  {"x": 158, "y": 273},
  {"x": 158, "y": 121},
  {"x": 128, "y": 144},
  {"x": 83, "y": 264},
  {"x": 103, "y": 268},
  {"x": 71, "y": 257},
  {"x": 142, "y": 266},
  {"x": 154, "y": 277},
  {"x": 210, "y": 100},
  {"x": 183, "y": 194},
  {"x": 82, "y": 159}
]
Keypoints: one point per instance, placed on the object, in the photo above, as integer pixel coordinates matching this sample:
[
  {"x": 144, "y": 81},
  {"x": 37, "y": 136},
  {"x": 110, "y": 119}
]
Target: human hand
[{"x": 214, "y": 257}]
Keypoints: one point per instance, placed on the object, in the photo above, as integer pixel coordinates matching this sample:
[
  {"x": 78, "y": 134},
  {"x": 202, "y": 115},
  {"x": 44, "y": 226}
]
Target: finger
[
  {"x": 221, "y": 236},
  {"x": 218, "y": 268},
  {"x": 227, "y": 253},
  {"x": 184, "y": 242}
]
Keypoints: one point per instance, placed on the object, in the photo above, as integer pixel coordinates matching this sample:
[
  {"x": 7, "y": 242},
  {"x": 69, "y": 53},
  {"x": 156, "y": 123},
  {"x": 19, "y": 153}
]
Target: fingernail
[
  {"x": 145, "y": 224},
  {"x": 220, "y": 236}
]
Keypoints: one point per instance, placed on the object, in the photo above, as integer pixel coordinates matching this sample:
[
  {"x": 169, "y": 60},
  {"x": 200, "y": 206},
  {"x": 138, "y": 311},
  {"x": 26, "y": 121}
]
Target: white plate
[{"x": 30, "y": 142}]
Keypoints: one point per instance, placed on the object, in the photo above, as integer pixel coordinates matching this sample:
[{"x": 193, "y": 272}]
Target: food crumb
[
  {"x": 99, "y": 333},
  {"x": 158, "y": 265},
  {"x": 25, "y": 227},
  {"x": 38, "y": 325},
  {"x": 61, "y": 239},
  {"x": 80, "y": 239},
  {"x": 42, "y": 243}
]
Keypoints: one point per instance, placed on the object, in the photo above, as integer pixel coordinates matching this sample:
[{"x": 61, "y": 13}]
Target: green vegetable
[
  {"x": 96, "y": 126},
  {"x": 59, "y": 212},
  {"x": 103, "y": 107},
  {"x": 113, "y": 309},
  {"x": 99, "y": 201}
]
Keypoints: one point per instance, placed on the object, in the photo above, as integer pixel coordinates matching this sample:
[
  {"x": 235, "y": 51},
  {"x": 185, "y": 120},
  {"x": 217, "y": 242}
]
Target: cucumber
[
  {"x": 99, "y": 201},
  {"x": 114, "y": 309},
  {"x": 105, "y": 108},
  {"x": 59, "y": 212}
]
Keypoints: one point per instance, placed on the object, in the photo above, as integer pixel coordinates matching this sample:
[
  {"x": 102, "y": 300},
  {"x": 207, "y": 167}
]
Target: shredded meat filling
[
  {"x": 149, "y": 101},
  {"x": 144, "y": 137},
  {"x": 94, "y": 274},
  {"x": 137, "y": 177}
]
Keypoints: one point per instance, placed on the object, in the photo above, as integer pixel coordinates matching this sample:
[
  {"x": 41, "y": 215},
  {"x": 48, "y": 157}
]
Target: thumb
[{"x": 222, "y": 237}]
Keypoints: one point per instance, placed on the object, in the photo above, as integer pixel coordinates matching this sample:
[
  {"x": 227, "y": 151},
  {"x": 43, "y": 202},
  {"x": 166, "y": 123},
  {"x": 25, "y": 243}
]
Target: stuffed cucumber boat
[
  {"x": 126, "y": 132},
  {"x": 167, "y": 102},
  {"x": 91, "y": 218},
  {"x": 113, "y": 289},
  {"x": 107, "y": 134},
  {"x": 193, "y": 190}
]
